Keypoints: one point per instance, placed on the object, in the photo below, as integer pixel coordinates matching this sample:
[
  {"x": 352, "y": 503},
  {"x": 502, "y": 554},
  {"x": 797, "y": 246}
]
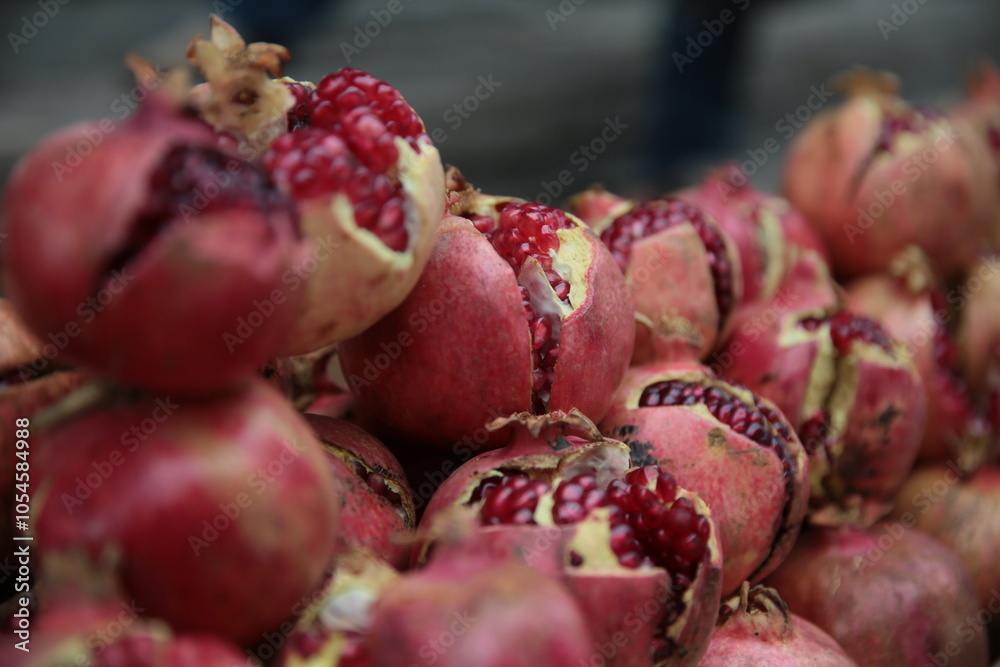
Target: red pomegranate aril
[{"x": 846, "y": 327}]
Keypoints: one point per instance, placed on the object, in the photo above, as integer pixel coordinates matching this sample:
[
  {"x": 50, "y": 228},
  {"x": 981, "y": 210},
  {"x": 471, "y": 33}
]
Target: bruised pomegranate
[
  {"x": 876, "y": 174},
  {"x": 960, "y": 509},
  {"x": 208, "y": 502},
  {"x": 850, "y": 390},
  {"x": 888, "y": 595},
  {"x": 521, "y": 308},
  {"x": 470, "y": 607},
  {"x": 917, "y": 312},
  {"x": 756, "y": 628},
  {"x": 730, "y": 447},
  {"x": 683, "y": 272},
  {"x": 765, "y": 229},
  {"x": 356, "y": 159},
  {"x": 153, "y": 228},
  {"x": 640, "y": 554},
  {"x": 377, "y": 509}
]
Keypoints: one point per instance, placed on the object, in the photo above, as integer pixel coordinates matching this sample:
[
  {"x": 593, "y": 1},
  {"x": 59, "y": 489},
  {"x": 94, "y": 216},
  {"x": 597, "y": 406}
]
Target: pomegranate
[
  {"x": 468, "y": 607},
  {"x": 850, "y": 390},
  {"x": 916, "y": 311},
  {"x": 729, "y": 446},
  {"x": 377, "y": 509},
  {"x": 877, "y": 174},
  {"x": 155, "y": 226},
  {"x": 888, "y": 595},
  {"x": 356, "y": 159},
  {"x": 521, "y": 308},
  {"x": 640, "y": 554},
  {"x": 756, "y": 628},
  {"x": 333, "y": 628},
  {"x": 208, "y": 502},
  {"x": 959, "y": 508},
  {"x": 765, "y": 229},
  {"x": 658, "y": 245}
]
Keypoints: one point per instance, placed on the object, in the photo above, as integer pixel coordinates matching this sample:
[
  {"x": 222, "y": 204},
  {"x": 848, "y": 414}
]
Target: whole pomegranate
[
  {"x": 888, "y": 595},
  {"x": 959, "y": 509},
  {"x": 377, "y": 509},
  {"x": 356, "y": 159},
  {"x": 105, "y": 256},
  {"x": 850, "y": 390},
  {"x": 640, "y": 554},
  {"x": 207, "y": 502},
  {"x": 732, "y": 448},
  {"x": 877, "y": 174},
  {"x": 682, "y": 269},
  {"x": 521, "y": 308},
  {"x": 469, "y": 607},
  {"x": 917, "y": 312},
  {"x": 755, "y": 629},
  {"x": 766, "y": 230}
]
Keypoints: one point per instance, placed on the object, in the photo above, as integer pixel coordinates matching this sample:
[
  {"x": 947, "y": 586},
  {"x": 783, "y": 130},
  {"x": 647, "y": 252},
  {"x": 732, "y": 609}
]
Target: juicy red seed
[
  {"x": 660, "y": 214},
  {"x": 298, "y": 115},
  {"x": 814, "y": 431},
  {"x": 529, "y": 230},
  {"x": 846, "y": 327},
  {"x": 311, "y": 163},
  {"x": 511, "y": 500}
]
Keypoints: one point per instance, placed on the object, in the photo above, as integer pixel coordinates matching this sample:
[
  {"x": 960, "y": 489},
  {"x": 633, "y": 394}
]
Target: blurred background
[{"x": 638, "y": 94}]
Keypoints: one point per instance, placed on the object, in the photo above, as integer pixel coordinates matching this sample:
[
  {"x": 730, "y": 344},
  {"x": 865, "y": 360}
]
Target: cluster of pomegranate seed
[
  {"x": 529, "y": 230},
  {"x": 846, "y": 327},
  {"x": 298, "y": 115},
  {"x": 659, "y": 214},
  {"x": 311, "y": 163},
  {"x": 894, "y": 124}
]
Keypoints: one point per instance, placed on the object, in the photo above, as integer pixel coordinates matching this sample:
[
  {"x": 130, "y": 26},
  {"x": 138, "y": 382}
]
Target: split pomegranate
[
  {"x": 730, "y": 447},
  {"x": 888, "y": 595},
  {"x": 521, "y": 308},
  {"x": 377, "y": 509},
  {"x": 155, "y": 227},
  {"x": 851, "y": 392},
  {"x": 916, "y": 311},
  {"x": 207, "y": 502},
  {"x": 683, "y": 271},
  {"x": 876, "y": 174},
  {"x": 765, "y": 229},
  {"x": 356, "y": 159},
  {"x": 636, "y": 549},
  {"x": 469, "y": 607},
  {"x": 756, "y": 628}
]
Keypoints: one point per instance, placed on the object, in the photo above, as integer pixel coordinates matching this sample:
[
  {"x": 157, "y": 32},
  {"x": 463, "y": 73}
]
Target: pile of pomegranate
[{"x": 278, "y": 388}]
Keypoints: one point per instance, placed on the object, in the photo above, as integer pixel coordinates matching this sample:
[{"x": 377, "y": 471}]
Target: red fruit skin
[
  {"x": 959, "y": 509},
  {"x": 741, "y": 481},
  {"x": 838, "y": 179},
  {"x": 64, "y": 228},
  {"x": 978, "y": 333},
  {"x": 229, "y": 496},
  {"x": 367, "y": 519},
  {"x": 467, "y": 608},
  {"x": 139, "y": 650},
  {"x": 910, "y": 317},
  {"x": 462, "y": 332},
  {"x": 889, "y": 596},
  {"x": 757, "y": 629}
]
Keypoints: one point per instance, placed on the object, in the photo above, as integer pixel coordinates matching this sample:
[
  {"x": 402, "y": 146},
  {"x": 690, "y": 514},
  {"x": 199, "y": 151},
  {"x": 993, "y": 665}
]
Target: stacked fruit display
[{"x": 279, "y": 389}]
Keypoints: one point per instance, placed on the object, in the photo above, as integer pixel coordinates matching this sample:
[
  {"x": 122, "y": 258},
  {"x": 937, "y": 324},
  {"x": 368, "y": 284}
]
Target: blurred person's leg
[{"x": 696, "y": 112}]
